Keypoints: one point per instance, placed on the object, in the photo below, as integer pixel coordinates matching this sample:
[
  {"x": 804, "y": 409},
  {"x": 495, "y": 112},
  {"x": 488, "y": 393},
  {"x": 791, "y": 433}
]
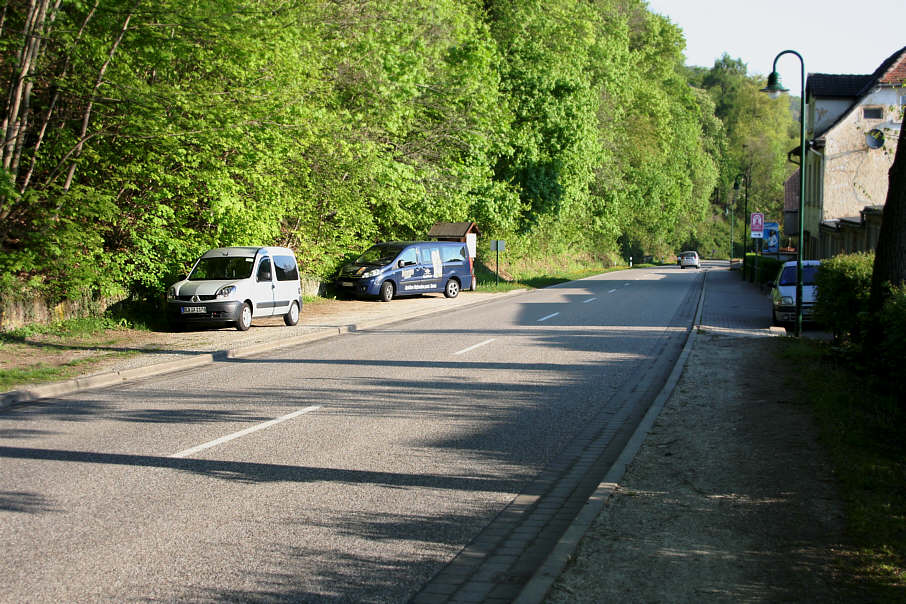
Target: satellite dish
[{"x": 874, "y": 139}]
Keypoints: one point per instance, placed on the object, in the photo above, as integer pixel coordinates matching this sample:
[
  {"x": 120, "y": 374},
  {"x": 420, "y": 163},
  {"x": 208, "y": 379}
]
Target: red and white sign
[{"x": 756, "y": 225}]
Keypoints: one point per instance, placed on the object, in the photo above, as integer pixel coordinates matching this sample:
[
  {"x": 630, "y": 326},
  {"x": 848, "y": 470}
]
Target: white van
[
  {"x": 236, "y": 284},
  {"x": 783, "y": 293}
]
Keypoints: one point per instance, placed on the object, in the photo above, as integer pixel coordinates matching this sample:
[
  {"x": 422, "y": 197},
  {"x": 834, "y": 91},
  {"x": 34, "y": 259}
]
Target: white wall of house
[
  {"x": 825, "y": 112},
  {"x": 847, "y": 174}
]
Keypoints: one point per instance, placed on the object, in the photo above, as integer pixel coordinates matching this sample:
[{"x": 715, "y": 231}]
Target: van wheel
[
  {"x": 386, "y": 291},
  {"x": 245, "y": 318},
  {"x": 292, "y": 317},
  {"x": 452, "y": 288}
]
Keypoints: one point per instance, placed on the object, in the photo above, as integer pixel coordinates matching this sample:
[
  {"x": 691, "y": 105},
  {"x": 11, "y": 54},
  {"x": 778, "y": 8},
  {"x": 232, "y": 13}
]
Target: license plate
[
  {"x": 346, "y": 283},
  {"x": 193, "y": 310}
]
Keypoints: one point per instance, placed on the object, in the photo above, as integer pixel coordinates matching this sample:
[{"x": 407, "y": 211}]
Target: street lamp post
[
  {"x": 774, "y": 88},
  {"x": 730, "y": 212},
  {"x": 745, "y": 218}
]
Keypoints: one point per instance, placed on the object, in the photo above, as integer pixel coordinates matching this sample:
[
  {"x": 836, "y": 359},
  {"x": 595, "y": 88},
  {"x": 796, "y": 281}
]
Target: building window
[{"x": 872, "y": 113}]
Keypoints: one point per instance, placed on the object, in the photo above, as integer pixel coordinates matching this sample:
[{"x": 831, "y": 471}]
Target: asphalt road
[{"x": 357, "y": 468}]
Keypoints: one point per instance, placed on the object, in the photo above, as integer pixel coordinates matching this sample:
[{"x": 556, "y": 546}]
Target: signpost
[
  {"x": 756, "y": 225},
  {"x": 498, "y": 245},
  {"x": 756, "y": 228}
]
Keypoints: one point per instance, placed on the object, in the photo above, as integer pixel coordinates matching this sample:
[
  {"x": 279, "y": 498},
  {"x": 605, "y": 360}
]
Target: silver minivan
[{"x": 233, "y": 285}]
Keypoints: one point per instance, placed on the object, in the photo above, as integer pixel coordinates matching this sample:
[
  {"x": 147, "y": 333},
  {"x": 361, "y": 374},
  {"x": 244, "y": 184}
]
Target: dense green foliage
[
  {"x": 861, "y": 422},
  {"x": 760, "y": 270},
  {"x": 759, "y": 131},
  {"x": 844, "y": 290},
  {"x": 844, "y": 283},
  {"x": 140, "y": 133}
]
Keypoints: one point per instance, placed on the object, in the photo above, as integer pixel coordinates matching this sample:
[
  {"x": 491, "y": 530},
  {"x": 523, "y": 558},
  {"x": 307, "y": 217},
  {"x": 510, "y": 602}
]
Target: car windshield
[
  {"x": 788, "y": 276},
  {"x": 379, "y": 254},
  {"x": 232, "y": 267}
]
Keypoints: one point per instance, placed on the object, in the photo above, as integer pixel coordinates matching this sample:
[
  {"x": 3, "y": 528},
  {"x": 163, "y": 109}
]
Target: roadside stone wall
[{"x": 19, "y": 313}]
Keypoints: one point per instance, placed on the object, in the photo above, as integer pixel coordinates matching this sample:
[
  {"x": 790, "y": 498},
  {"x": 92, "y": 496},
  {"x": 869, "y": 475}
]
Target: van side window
[
  {"x": 264, "y": 270},
  {"x": 409, "y": 256},
  {"x": 450, "y": 253},
  {"x": 285, "y": 267},
  {"x": 427, "y": 254}
]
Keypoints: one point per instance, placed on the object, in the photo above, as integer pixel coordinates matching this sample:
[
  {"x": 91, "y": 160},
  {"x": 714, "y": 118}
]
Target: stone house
[{"x": 852, "y": 129}]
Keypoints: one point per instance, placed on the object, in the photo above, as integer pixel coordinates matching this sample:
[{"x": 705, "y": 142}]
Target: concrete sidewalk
[{"x": 735, "y": 307}]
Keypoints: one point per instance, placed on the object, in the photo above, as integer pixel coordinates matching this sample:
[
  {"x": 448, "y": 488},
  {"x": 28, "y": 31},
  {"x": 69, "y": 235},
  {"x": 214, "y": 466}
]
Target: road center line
[
  {"x": 611, "y": 291},
  {"x": 550, "y": 316},
  {"x": 589, "y": 300},
  {"x": 473, "y": 347},
  {"x": 230, "y": 437}
]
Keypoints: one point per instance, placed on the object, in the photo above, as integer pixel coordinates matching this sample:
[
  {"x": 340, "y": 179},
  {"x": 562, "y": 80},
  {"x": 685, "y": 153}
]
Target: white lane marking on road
[
  {"x": 473, "y": 347},
  {"x": 230, "y": 437},
  {"x": 589, "y": 300},
  {"x": 550, "y": 316},
  {"x": 611, "y": 291}
]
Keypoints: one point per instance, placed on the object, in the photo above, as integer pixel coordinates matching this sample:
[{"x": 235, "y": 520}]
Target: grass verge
[
  {"x": 862, "y": 427},
  {"x": 50, "y": 348},
  {"x": 43, "y": 373},
  {"x": 532, "y": 277}
]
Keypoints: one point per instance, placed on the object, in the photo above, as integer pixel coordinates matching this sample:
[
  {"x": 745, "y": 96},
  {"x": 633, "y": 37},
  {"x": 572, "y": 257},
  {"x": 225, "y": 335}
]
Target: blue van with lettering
[{"x": 405, "y": 268}]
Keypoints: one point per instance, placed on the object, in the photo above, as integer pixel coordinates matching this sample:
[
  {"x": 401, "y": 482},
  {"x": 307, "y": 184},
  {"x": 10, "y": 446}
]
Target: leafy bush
[
  {"x": 844, "y": 285},
  {"x": 891, "y": 353},
  {"x": 761, "y": 269}
]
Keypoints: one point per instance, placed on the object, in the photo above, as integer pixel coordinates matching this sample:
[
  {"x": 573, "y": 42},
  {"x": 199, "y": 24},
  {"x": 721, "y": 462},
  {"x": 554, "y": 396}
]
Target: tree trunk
[
  {"x": 13, "y": 120},
  {"x": 86, "y": 117},
  {"x": 890, "y": 255},
  {"x": 53, "y": 101}
]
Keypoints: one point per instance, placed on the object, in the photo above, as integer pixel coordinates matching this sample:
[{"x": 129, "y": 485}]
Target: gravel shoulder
[{"x": 729, "y": 499}]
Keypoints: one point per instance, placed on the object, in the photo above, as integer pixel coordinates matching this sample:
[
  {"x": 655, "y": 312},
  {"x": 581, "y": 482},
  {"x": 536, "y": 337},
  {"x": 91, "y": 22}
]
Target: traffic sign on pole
[{"x": 756, "y": 225}]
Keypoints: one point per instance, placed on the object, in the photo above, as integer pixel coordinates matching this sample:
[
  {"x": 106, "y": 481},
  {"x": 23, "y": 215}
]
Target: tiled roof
[
  {"x": 889, "y": 73},
  {"x": 893, "y": 70},
  {"x": 452, "y": 229},
  {"x": 826, "y": 85}
]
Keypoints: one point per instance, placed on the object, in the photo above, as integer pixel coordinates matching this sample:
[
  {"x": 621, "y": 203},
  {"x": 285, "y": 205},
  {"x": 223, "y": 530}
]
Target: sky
[{"x": 833, "y": 36}]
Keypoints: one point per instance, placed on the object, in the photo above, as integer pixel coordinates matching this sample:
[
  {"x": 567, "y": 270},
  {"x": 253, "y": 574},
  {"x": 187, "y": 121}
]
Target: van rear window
[{"x": 286, "y": 269}]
